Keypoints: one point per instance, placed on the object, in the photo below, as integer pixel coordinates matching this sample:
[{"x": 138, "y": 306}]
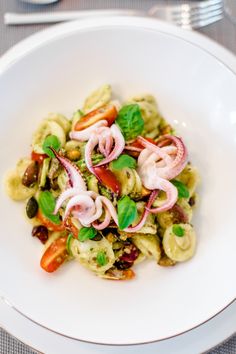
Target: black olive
[
  {"x": 122, "y": 265},
  {"x": 30, "y": 176},
  {"x": 31, "y": 207},
  {"x": 98, "y": 237},
  {"x": 47, "y": 185},
  {"x": 192, "y": 201},
  {"x": 41, "y": 232}
]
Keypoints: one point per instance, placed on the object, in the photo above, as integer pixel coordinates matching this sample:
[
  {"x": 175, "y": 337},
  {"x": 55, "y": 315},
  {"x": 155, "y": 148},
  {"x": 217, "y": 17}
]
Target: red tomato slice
[
  {"x": 54, "y": 255},
  {"x": 108, "y": 112},
  {"x": 137, "y": 144},
  {"x": 38, "y": 157},
  {"x": 49, "y": 224},
  {"x": 108, "y": 178}
]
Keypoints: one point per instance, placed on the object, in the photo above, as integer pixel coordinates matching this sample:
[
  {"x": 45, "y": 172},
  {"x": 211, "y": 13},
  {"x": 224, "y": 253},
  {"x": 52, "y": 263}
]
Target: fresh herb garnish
[
  {"x": 87, "y": 233},
  {"x": 123, "y": 161},
  {"x": 51, "y": 141},
  {"x": 47, "y": 204},
  {"x": 178, "y": 230},
  {"x": 183, "y": 191},
  {"x": 127, "y": 212},
  {"x": 101, "y": 258},
  {"x": 130, "y": 121}
]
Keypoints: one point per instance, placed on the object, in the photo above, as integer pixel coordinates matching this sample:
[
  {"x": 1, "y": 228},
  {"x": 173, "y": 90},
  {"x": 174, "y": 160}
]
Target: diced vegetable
[
  {"x": 49, "y": 224},
  {"x": 108, "y": 113},
  {"x": 54, "y": 255},
  {"x": 107, "y": 178}
]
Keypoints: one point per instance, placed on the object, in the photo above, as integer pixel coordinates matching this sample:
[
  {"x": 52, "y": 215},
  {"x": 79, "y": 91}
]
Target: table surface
[{"x": 224, "y": 32}]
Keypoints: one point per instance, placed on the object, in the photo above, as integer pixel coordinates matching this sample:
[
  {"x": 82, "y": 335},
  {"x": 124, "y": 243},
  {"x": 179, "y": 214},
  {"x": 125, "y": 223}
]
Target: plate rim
[{"x": 45, "y": 36}]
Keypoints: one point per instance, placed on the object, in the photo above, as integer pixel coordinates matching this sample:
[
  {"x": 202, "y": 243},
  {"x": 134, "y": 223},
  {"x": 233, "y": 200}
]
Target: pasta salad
[{"x": 109, "y": 188}]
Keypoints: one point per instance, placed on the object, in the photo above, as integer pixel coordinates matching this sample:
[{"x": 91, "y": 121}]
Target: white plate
[
  {"x": 196, "y": 92},
  {"x": 196, "y": 341}
]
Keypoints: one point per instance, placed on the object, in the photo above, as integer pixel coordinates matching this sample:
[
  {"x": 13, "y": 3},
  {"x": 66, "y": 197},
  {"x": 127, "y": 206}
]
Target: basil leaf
[
  {"x": 101, "y": 258},
  {"x": 123, "y": 161},
  {"x": 183, "y": 191},
  {"x": 47, "y": 204},
  {"x": 178, "y": 230},
  {"x": 51, "y": 141},
  {"x": 130, "y": 121},
  {"x": 127, "y": 212},
  {"x": 87, "y": 233}
]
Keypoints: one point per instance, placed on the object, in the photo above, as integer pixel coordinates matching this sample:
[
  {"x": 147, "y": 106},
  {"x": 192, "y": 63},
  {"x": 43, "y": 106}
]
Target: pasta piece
[
  {"x": 13, "y": 182},
  {"x": 178, "y": 248},
  {"x": 150, "y": 113},
  {"x": 86, "y": 253},
  {"x": 46, "y": 128},
  {"x": 61, "y": 120},
  {"x": 190, "y": 177},
  {"x": 149, "y": 245},
  {"x": 97, "y": 99}
]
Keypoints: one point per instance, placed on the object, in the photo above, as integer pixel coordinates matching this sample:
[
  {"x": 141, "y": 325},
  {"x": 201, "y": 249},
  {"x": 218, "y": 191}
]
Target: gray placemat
[{"x": 223, "y": 32}]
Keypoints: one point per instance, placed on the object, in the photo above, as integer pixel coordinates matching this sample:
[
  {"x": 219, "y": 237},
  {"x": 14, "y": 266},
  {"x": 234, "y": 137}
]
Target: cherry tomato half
[
  {"x": 108, "y": 113},
  {"x": 38, "y": 157},
  {"x": 137, "y": 144},
  {"x": 49, "y": 224},
  {"x": 108, "y": 178},
  {"x": 54, "y": 255}
]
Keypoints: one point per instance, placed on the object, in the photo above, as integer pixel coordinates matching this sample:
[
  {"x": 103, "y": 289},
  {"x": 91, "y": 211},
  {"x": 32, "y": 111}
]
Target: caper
[
  {"x": 31, "y": 207},
  {"x": 31, "y": 174}
]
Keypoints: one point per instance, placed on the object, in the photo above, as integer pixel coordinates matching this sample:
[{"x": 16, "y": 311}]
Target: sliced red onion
[
  {"x": 85, "y": 134},
  {"x": 171, "y": 196},
  {"x": 75, "y": 178}
]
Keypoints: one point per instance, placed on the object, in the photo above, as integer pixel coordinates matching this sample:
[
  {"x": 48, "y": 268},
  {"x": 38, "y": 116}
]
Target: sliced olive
[
  {"x": 41, "y": 232},
  {"x": 30, "y": 176},
  {"x": 98, "y": 237},
  {"x": 122, "y": 265},
  {"x": 31, "y": 207}
]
